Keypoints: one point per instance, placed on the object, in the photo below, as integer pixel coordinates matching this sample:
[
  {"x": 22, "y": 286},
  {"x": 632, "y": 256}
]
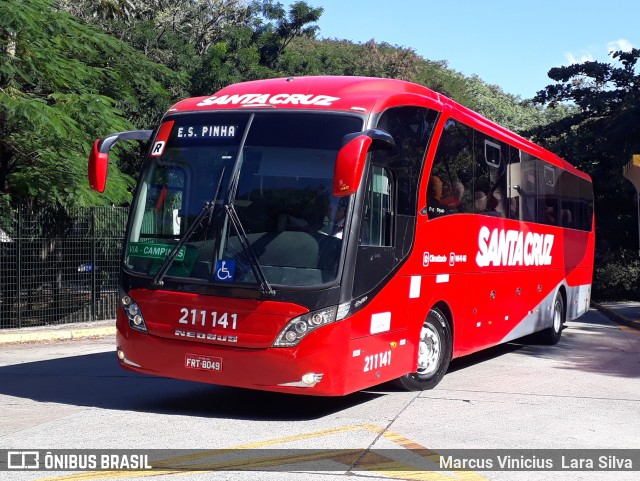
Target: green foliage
[
  {"x": 225, "y": 63},
  {"x": 274, "y": 36},
  {"x": 63, "y": 84},
  {"x": 617, "y": 277},
  {"x": 503, "y": 108}
]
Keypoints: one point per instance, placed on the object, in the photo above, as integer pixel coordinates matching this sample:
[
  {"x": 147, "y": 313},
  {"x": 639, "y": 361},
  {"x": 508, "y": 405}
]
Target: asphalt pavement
[{"x": 625, "y": 313}]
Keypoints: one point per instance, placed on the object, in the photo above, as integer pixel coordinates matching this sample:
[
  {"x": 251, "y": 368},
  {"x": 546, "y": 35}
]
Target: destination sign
[
  {"x": 153, "y": 251},
  {"x": 207, "y": 131}
]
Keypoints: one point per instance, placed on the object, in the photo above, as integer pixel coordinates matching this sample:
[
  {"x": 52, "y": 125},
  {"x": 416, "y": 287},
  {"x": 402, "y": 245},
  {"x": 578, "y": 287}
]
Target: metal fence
[{"x": 59, "y": 266}]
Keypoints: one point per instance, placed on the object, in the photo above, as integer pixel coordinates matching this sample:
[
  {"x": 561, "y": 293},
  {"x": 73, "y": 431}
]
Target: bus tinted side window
[
  {"x": 473, "y": 172},
  {"x": 449, "y": 189},
  {"x": 490, "y": 176},
  {"x": 576, "y": 201},
  {"x": 528, "y": 187},
  {"x": 546, "y": 194},
  {"x": 469, "y": 173}
]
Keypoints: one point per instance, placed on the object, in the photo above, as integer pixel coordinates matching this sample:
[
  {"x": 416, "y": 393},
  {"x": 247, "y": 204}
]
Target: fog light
[
  {"x": 121, "y": 354},
  {"x": 311, "y": 378}
]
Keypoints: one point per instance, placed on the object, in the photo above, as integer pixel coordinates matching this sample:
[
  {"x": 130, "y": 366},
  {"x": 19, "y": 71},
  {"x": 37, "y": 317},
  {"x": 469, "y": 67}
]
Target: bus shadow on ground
[
  {"x": 459, "y": 364},
  {"x": 96, "y": 380},
  {"x": 592, "y": 350}
]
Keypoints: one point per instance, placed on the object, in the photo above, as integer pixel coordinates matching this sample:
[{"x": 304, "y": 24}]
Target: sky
[{"x": 512, "y": 44}]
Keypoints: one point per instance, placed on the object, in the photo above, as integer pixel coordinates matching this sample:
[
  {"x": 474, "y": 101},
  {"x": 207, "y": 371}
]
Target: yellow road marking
[
  {"x": 371, "y": 461},
  {"x": 633, "y": 330}
]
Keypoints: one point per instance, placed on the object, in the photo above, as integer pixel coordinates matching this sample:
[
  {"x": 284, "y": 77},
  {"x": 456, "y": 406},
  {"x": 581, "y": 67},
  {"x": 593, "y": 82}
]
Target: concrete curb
[
  {"x": 58, "y": 333},
  {"x": 615, "y": 317}
]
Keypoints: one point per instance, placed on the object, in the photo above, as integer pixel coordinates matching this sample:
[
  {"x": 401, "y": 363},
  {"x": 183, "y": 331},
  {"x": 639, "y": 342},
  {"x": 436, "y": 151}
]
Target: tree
[
  {"x": 281, "y": 28},
  {"x": 62, "y": 84},
  {"x": 213, "y": 42},
  {"x": 171, "y": 32},
  {"x": 601, "y": 135}
]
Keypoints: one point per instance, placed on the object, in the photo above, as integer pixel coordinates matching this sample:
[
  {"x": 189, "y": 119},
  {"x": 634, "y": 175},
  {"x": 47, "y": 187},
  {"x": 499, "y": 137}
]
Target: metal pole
[
  {"x": 94, "y": 267},
  {"x": 19, "y": 268}
]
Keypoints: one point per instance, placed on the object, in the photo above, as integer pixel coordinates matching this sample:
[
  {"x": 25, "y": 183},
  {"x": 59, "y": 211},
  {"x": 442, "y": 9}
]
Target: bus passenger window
[
  {"x": 513, "y": 188},
  {"x": 490, "y": 176},
  {"x": 528, "y": 188},
  {"x": 448, "y": 190},
  {"x": 549, "y": 195}
]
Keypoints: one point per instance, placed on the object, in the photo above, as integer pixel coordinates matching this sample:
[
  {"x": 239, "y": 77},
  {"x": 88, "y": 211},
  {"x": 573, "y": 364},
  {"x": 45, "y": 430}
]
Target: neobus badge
[
  {"x": 267, "y": 99},
  {"x": 502, "y": 247}
]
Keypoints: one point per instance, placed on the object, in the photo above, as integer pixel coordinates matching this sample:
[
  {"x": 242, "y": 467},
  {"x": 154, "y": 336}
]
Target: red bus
[{"x": 323, "y": 235}]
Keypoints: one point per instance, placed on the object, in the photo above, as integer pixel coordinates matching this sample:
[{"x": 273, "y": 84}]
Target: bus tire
[
  {"x": 434, "y": 354},
  {"x": 551, "y": 335}
]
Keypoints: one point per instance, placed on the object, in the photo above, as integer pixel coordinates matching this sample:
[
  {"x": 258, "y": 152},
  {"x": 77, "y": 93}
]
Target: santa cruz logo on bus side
[
  {"x": 268, "y": 99},
  {"x": 502, "y": 247}
]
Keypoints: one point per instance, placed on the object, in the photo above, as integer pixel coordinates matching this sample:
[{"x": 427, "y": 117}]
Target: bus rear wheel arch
[{"x": 434, "y": 353}]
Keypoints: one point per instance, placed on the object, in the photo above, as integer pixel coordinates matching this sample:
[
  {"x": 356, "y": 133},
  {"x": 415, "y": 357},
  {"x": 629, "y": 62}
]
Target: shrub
[{"x": 616, "y": 276}]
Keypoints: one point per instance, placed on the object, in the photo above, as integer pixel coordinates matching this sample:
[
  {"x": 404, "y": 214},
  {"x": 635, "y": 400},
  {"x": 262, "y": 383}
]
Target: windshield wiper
[
  {"x": 265, "y": 287},
  {"x": 208, "y": 208},
  {"x": 256, "y": 268}
]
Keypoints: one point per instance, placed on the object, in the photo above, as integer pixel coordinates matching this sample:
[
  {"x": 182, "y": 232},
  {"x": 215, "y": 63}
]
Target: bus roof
[
  {"x": 362, "y": 95},
  {"x": 355, "y": 94}
]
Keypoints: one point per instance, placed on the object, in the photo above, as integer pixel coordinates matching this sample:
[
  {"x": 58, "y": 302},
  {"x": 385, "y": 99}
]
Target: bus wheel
[
  {"x": 434, "y": 353},
  {"x": 551, "y": 335}
]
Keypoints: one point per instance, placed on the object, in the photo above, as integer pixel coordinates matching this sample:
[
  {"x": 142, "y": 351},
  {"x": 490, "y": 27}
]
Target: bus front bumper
[{"x": 299, "y": 370}]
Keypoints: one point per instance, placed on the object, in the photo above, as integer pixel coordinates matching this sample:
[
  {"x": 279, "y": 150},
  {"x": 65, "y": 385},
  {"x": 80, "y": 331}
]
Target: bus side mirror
[
  {"x": 352, "y": 157},
  {"x": 99, "y": 156},
  {"x": 98, "y": 166},
  {"x": 350, "y": 165}
]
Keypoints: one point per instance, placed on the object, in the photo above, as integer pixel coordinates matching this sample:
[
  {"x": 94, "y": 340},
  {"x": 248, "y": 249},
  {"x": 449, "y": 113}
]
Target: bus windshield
[{"x": 245, "y": 195}]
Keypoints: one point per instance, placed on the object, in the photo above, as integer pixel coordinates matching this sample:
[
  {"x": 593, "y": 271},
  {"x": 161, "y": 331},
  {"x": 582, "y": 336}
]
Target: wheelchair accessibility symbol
[{"x": 225, "y": 270}]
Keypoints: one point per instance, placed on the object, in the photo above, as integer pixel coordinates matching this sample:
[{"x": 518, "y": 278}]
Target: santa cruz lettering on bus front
[{"x": 268, "y": 99}]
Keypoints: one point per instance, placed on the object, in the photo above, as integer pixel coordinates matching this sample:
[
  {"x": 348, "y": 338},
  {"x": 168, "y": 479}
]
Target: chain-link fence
[{"x": 59, "y": 266}]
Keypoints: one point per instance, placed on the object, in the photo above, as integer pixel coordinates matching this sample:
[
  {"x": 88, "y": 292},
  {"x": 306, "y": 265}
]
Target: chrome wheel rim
[
  {"x": 557, "y": 317},
  {"x": 429, "y": 350}
]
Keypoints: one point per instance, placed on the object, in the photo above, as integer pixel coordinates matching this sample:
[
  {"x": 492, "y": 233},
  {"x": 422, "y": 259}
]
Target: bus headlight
[
  {"x": 299, "y": 327},
  {"x": 132, "y": 310}
]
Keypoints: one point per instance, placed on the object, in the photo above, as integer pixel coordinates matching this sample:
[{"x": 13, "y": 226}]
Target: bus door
[{"x": 387, "y": 228}]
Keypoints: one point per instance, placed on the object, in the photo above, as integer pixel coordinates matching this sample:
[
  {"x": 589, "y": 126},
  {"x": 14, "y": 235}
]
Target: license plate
[{"x": 203, "y": 363}]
